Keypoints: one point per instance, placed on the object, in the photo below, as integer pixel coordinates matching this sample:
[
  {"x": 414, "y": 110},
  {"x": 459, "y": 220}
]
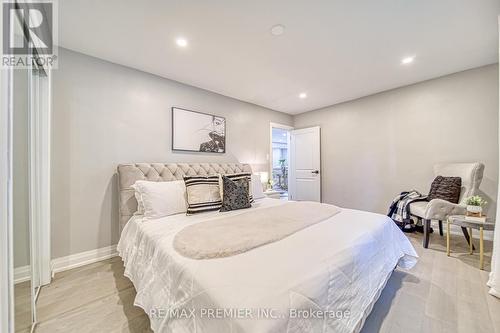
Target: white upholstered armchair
[{"x": 437, "y": 209}]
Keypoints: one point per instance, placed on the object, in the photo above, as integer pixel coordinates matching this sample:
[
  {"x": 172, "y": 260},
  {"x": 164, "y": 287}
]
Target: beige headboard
[{"x": 128, "y": 174}]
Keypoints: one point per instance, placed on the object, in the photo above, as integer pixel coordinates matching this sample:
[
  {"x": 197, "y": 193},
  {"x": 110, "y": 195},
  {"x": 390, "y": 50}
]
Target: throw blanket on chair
[{"x": 399, "y": 210}]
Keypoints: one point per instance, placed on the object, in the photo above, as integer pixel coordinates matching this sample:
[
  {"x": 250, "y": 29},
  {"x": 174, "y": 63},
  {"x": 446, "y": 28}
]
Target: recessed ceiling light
[
  {"x": 407, "y": 60},
  {"x": 182, "y": 42},
  {"x": 303, "y": 95},
  {"x": 277, "y": 29}
]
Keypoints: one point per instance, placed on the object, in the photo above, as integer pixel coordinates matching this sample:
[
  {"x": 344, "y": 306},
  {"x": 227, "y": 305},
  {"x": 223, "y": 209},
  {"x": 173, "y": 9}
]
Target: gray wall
[
  {"x": 105, "y": 114},
  {"x": 376, "y": 146}
]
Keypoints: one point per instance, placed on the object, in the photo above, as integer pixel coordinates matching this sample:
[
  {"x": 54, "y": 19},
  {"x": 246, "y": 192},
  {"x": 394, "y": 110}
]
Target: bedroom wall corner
[{"x": 377, "y": 146}]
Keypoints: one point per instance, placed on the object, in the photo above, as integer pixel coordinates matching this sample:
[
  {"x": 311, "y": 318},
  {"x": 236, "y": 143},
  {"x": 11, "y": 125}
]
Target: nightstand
[{"x": 272, "y": 194}]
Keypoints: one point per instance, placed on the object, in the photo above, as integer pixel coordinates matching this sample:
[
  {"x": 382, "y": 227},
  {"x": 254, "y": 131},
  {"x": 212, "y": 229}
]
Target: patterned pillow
[
  {"x": 236, "y": 194},
  {"x": 446, "y": 188},
  {"x": 203, "y": 194},
  {"x": 237, "y": 176}
]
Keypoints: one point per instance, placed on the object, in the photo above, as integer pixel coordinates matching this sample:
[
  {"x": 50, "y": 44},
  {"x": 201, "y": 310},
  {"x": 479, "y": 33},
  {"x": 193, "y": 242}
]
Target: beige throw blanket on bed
[{"x": 231, "y": 235}]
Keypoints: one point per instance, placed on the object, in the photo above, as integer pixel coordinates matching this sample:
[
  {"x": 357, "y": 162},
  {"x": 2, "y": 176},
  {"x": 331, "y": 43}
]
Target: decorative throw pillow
[
  {"x": 446, "y": 188},
  {"x": 238, "y": 176},
  {"x": 236, "y": 194},
  {"x": 203, "y": 194}
]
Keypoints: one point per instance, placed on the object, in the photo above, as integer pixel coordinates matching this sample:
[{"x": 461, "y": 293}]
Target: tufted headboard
[{"x": 128, "y": 174}]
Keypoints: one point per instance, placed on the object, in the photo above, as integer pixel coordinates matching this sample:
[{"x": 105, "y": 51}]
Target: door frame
[
  {"x": 6, "y": 208},
  {"x": 40, "y": 115},
  {"x": 270, "y": 156}
]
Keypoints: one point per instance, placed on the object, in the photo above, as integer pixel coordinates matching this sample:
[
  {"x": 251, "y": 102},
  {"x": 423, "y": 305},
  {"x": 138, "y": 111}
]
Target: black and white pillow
[
  {"x": 238, "y": 176},
  {"x": 236, "y": 193},
  {"x": 203, "y": 194}
]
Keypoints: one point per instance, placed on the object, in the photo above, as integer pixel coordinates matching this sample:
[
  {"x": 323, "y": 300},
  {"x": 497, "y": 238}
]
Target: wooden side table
[{"x": 462, "y": 222}]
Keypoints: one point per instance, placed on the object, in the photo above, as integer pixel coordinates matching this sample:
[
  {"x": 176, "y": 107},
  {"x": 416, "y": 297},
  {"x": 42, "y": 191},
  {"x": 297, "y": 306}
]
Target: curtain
[{"x": 494, "y": 281}]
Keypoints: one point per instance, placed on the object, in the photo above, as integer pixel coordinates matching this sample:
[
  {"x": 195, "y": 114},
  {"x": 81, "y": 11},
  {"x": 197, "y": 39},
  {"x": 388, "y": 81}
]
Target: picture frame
[{"x": 194, "y": 131}]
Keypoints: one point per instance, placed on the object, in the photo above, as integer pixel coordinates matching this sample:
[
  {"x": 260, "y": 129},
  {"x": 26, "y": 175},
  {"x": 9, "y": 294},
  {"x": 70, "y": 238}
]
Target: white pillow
[
  {"x": 140, "y": 204},
  {"x": 162, "y": 198},
  {"x": 257, "y": 189}
]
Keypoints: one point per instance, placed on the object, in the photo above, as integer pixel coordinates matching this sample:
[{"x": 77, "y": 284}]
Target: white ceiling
[{"x": 333, "y": 50}]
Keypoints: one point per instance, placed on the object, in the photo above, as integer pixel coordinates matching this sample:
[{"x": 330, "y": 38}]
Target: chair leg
[
  {"x": 440, "y": 228},
  {"x": 427, "y": 227},
  {"x": 467, "y": 237}
]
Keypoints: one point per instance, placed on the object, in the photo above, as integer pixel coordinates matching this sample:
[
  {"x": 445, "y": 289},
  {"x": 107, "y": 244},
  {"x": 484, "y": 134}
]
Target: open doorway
[{"x": 279, "y": 158}]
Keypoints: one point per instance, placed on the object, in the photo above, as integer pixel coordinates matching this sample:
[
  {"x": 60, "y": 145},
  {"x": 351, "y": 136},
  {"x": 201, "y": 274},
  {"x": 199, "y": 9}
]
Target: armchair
[{"x": 437, "y": 209}]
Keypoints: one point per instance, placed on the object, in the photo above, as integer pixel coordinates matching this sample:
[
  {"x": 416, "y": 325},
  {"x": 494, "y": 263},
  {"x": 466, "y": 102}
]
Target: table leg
[
  {"x": 481, "y": 248},
  {"x": 448, "y": 238},
  {"x": 470, "y": 242},
  {"x": 466, "y": 235}
]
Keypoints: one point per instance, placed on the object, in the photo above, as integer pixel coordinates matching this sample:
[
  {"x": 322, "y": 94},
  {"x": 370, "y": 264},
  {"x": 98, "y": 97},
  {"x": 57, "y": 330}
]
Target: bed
[{"x": 324, "y": 278}]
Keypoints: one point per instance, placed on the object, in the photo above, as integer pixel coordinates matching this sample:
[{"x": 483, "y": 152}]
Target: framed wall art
[{"x": 197, "y": 131}]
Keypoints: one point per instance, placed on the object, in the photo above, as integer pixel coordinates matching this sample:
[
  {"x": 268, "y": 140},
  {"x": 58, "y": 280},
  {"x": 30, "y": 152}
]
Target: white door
[{"x": 305, "y": 162}]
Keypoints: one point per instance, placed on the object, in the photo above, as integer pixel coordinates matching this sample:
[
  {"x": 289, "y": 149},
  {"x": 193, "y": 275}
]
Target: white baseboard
[
  {"x": 82, "y": 258},
  {"x": 22, "y": 274}
]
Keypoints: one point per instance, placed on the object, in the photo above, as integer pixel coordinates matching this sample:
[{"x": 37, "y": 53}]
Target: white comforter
[{"x": 333, "y": 270}]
